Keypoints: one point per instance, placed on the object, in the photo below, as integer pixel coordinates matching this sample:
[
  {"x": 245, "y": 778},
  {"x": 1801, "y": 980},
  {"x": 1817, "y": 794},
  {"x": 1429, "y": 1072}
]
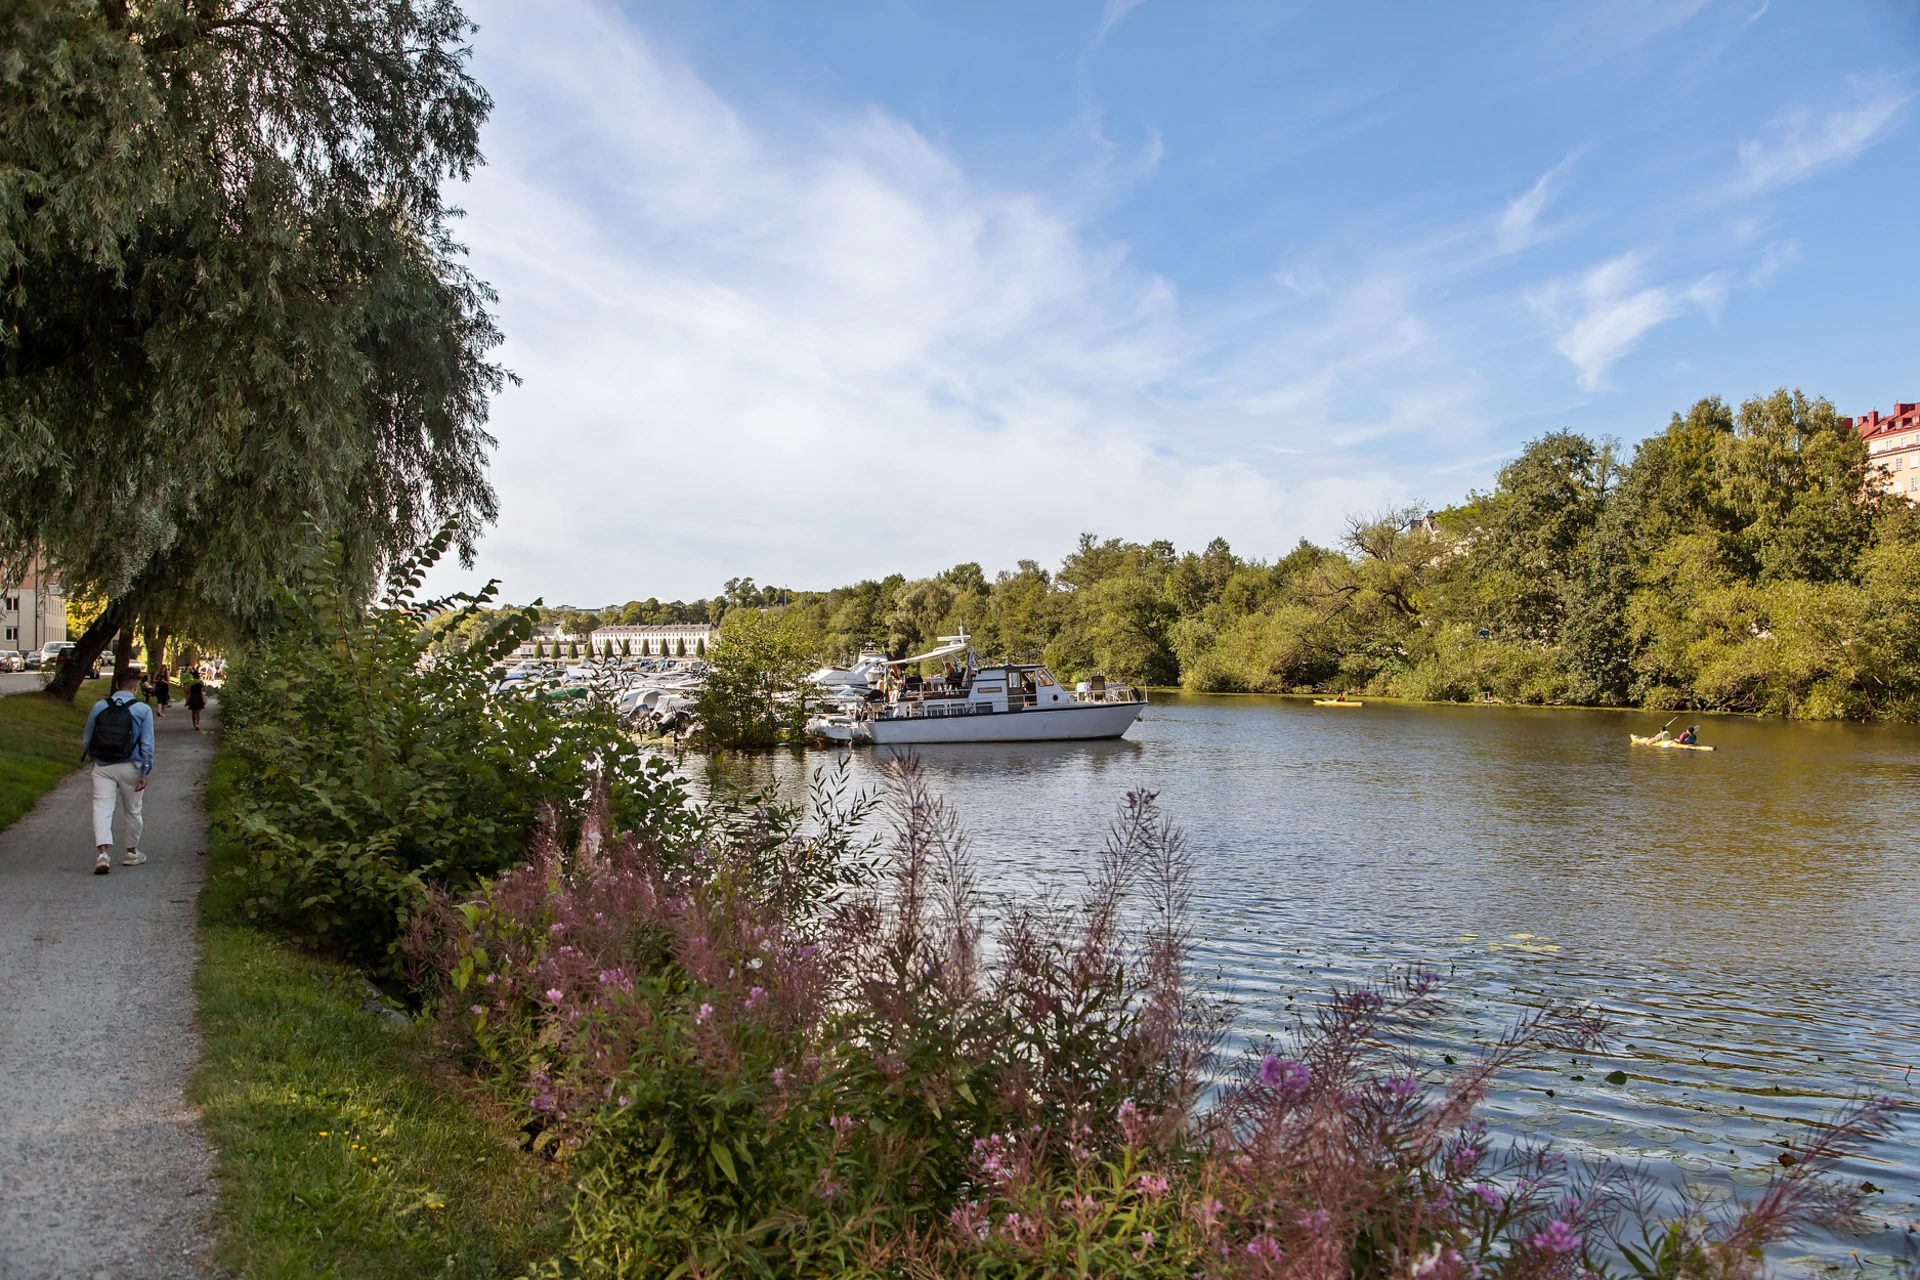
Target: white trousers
[{"x": 113, "y": 786}]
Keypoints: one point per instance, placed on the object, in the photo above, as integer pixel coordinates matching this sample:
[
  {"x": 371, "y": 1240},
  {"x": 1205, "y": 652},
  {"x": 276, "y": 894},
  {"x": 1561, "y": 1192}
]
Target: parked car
[
  {"x": 30, "y": 660},
  {"x": 11, "y": 660}
]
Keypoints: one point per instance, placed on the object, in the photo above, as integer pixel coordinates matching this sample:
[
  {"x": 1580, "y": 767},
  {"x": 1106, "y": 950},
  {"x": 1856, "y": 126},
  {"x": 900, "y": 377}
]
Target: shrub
[
  {"x": 374, "y": 769},
  {"x": 761, "y": 1054}
]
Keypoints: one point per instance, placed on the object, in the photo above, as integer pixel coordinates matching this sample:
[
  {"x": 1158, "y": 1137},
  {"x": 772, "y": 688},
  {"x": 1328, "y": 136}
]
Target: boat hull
[{"x": 1081, "y": 722}]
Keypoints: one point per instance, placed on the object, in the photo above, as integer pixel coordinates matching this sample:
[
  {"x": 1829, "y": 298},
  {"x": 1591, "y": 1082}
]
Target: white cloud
[
  {"x": 1597, "y": 318},
  {"x": 1115, "y": 13},
  {"x": 1802, "y": 144},
  {"x": 1519, "y": 225},
  {"x": 829, "y": 353}
]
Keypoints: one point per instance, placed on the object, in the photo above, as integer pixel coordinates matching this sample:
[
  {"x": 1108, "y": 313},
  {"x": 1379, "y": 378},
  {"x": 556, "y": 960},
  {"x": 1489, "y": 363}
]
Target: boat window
[
  {"x": 1046, "y": 680},
  {"x": 983, "y": 708}
]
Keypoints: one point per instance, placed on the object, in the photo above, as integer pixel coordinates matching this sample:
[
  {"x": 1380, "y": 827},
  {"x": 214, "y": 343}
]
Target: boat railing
[{"x": 1112, "y": 693}]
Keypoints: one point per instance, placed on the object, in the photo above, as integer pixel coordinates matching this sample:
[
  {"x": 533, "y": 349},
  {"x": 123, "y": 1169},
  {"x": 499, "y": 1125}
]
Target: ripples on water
[{"x": 1749, "y": 917}]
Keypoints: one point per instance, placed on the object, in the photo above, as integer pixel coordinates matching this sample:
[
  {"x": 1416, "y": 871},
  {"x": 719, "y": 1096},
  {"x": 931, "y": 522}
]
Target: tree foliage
[
  {"x": 232, "y": 310},
  {"x": 1740, "y": 560}
]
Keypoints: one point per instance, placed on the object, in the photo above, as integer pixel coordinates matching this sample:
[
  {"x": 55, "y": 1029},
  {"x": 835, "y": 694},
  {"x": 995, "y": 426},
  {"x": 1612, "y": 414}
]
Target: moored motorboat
[
  {"x": 970, "y": 702},
  {"x": 1337, "y": 702}
]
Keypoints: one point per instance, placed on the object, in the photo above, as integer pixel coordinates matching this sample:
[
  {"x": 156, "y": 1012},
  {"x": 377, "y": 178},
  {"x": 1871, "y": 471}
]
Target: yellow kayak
[
  {"x": 1666, "y": 744},
  {"x": 1336, "y": 702}
]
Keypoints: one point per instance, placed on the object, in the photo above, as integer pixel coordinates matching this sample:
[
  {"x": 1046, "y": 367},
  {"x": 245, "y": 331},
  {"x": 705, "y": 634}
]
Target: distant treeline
[{"x": 1741, "y": 561}]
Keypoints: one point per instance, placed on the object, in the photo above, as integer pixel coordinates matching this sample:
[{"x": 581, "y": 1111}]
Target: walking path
[{"x": 103, "y": 1168}]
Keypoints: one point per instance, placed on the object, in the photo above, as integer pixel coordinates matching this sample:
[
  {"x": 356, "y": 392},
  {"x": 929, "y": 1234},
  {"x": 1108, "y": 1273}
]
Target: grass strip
[
  {"x": 39, "y": 745},
  {"x": 345, "y": 1150}
]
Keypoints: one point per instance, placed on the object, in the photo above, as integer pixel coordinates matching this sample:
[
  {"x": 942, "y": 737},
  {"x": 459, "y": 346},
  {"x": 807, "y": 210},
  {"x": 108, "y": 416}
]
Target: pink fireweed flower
[
  {"x": 706, "y": 1011},
  {"x": 477, "y": 1009},
  {"x": 1146, "y": 1239},
  {"x": 555, "y": 994},
  {"x": 1314, "y": 1223},
  {"x": 1288, "y": 1077},
  {"x": 842, "y": 1126},
  {"x": 625, "y": 1101},
  {"x": 1401, "y": 1087},
  {"x": 1559, "y": 1237},
  {"x": 1489, "y": 1196},
  {"x": 779, "y": 1075},
  {"x": 756, "y": 997},
  {"x": 1152, "y": 1185}
]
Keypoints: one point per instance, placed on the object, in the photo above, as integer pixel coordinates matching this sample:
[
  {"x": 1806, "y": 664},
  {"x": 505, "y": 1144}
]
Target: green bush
[{"x": 376, "y": 768}]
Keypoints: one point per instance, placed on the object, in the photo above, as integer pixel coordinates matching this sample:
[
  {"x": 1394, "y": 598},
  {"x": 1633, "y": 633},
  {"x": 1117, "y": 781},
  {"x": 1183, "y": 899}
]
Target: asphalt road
[
  {"x": 103, "y": 1169},
  {"x": 20, "y": 681}
]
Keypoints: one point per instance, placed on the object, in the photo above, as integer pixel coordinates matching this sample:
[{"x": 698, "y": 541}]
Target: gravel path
[{"x": 103, "y": 1169}]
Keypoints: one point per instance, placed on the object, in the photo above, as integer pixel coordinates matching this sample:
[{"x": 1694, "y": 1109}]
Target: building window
[
  {"x": 10, "y": 604},
  {"x": 13, "y": 633}
]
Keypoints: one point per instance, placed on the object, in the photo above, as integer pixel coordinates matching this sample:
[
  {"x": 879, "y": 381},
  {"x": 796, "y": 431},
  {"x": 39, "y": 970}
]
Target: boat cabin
[{"x": 964, "y": 688}]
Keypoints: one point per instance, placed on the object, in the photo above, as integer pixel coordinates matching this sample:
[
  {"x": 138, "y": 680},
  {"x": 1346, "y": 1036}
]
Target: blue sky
[{"x": 814, "y": 292}]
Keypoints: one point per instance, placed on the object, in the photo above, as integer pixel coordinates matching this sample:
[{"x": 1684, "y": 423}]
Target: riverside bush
[
  {"x": 373, "y": 769},
  {"x": 773, "y": 1056}
]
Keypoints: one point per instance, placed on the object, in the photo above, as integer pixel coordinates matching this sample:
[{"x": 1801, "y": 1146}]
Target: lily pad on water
[
  {"x": 1883, "y": 1260},
  {"x": 1861, "y": 1225},
  {"x": 1752, "y": 1177},
  {"x": 1694, "y": 1164},
  {"x": 1709, "y": 1192},
  {"x": 1664, "y": 1137}
]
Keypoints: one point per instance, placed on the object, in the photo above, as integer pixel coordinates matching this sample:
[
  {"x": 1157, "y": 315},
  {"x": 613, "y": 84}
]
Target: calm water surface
[{"x": 1750, "y": 917}]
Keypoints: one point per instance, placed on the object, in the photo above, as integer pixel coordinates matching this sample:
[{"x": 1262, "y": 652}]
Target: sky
[{"x": 813, "y": 292}]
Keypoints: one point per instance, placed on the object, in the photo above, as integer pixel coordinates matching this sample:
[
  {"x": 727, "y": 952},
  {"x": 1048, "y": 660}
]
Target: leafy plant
[{"x": 374, "y": 768}]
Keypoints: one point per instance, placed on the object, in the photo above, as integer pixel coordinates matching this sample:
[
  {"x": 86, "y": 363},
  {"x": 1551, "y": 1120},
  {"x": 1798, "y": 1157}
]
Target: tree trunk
[
  {"x": 122, "y": 654},
  {"x": 70, "y": 674}
]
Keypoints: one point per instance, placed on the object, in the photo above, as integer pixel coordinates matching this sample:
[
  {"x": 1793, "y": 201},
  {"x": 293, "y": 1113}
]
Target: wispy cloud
[
  {"x": 1801, "y": 143},
  {"x": 1519, "y": 225},
  {"x": 1599, "y": 316},
  {"x": 1115, "y": 13}
]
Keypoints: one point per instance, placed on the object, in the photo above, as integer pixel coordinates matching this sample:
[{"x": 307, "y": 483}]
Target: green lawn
[
  {"x": 345, "y": 1148},
  {"x": 39, "y": 745}
]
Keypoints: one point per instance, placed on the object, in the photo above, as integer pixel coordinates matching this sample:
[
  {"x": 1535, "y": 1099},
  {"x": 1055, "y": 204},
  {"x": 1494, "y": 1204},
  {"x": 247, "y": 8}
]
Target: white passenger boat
[{"x": 968, "y": 702}]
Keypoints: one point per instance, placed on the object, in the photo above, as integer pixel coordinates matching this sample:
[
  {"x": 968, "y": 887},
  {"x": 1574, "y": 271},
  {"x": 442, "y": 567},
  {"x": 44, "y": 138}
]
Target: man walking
[{"x": 119, "y": 740}]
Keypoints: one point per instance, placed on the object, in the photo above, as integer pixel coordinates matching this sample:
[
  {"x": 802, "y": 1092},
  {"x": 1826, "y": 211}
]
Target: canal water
[{"x": 1749, "y": 918}]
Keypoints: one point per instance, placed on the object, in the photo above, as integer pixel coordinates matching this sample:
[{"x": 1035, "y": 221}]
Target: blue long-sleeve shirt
[{"x": 142, "y": 729}]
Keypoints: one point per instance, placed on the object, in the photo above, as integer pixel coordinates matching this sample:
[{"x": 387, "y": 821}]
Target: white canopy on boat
[{"x": 954, "y": 645}]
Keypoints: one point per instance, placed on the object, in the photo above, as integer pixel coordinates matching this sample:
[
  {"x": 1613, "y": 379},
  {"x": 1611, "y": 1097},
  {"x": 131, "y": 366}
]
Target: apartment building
[
  {"x": 1894, "y": 442},
  {"x": 33, "y": 609}
]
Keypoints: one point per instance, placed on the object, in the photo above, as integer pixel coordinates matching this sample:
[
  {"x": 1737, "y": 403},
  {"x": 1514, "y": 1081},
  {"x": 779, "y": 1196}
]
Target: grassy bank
[
  {"x": 39, "y": 745},
  {"x": 345, "y": 1149}
]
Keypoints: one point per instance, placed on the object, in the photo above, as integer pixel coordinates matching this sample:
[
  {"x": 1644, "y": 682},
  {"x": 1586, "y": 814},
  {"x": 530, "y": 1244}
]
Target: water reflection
[{"x": 1749, "y": 915}]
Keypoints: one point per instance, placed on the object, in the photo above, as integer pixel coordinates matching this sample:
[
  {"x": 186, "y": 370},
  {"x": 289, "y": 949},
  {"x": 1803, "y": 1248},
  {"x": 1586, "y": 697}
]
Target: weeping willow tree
[{"x": 232, "y": 313}]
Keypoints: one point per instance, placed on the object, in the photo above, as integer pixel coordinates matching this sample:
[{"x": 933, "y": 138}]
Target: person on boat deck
[{"x": 1691, "y": 736}]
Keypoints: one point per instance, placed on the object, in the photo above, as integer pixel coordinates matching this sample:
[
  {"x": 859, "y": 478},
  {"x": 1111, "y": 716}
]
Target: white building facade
[{"x": 665, "y": 640}]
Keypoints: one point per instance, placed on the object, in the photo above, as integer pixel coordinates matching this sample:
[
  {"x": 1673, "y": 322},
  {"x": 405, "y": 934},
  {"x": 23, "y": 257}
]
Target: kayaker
[{"x": 1691, "y": 736}]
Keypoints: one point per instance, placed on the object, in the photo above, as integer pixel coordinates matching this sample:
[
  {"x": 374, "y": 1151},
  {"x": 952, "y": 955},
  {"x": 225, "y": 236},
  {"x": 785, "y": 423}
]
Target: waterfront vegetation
[
  {"x": 1739, "y": 561},
  {"x": 748, "y": 1040},
  {"x": 345, "y": 1145},
  {"x": 39, "y": 745}
]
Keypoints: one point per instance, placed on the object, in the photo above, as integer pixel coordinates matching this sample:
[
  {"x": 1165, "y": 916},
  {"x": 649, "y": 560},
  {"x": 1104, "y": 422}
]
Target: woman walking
[
  {"x": 162, "y": 688},
  {"x": 197, "y": 699}
]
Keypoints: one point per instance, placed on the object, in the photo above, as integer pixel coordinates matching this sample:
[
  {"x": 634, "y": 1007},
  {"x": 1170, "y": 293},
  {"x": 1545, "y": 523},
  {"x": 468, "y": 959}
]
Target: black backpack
[{"x": 113, "y": 737}]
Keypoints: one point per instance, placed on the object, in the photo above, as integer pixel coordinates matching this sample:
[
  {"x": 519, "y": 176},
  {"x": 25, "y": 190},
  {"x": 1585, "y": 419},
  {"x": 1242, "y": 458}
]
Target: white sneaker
[
  {"x": 134, "y": 858},
  {"x": 103, "y": 864}
]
